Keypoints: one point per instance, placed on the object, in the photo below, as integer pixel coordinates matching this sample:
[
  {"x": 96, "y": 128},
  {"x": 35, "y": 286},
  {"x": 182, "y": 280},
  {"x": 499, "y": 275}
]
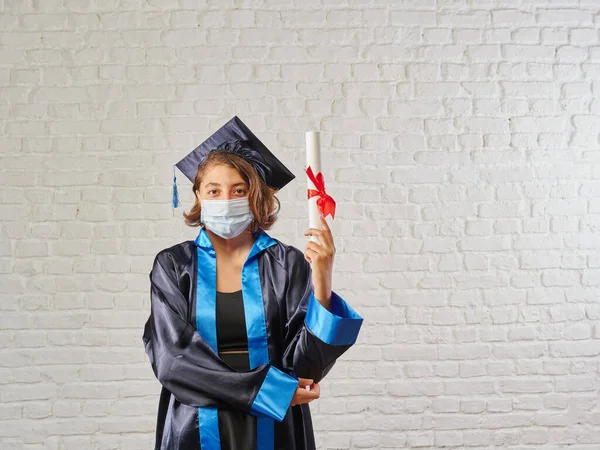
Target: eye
[
  {"x": 212, "y": 190},
  {"x": 241, "y": 191}
]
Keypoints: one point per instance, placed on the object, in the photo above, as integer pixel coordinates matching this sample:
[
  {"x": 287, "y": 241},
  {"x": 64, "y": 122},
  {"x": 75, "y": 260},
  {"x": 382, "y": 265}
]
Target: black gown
[{"x": 289, "y": 333}]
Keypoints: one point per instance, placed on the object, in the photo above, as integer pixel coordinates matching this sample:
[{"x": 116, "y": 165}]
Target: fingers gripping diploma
[
  {"x": 306, "y": 392},
  {"x": 325, "y": 246}
]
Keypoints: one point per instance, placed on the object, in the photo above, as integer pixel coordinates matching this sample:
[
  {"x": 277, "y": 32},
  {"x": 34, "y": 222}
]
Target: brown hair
[{"x": 263, "y": 203}]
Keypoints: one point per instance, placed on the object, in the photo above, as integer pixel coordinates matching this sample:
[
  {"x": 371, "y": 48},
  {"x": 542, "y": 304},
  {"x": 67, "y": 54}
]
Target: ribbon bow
[{"x": 325, "y": 202}]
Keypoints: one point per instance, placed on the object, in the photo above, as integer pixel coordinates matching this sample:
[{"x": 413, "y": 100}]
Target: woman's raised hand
[{"x": 320, "y": 256}]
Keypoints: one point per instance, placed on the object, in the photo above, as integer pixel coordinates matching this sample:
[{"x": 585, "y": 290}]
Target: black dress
[{"x": 237, "y": 430}]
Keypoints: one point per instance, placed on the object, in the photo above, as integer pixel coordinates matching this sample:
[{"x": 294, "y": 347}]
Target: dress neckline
[{"x": 229, "y": 293}]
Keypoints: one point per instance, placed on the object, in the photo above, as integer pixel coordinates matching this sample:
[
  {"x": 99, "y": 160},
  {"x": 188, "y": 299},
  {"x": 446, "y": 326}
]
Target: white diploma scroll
[{"x": 313, "y": 160}]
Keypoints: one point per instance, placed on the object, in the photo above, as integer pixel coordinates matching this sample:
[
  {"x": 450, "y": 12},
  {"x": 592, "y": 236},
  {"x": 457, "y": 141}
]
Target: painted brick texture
[{"x": 460, "y": 140}]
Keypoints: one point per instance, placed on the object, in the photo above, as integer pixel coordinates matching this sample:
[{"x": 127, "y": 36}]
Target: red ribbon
[{"x": 325, "y": 202}]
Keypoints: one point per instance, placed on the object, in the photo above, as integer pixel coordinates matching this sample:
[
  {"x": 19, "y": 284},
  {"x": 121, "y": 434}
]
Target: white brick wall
[{"x": 460, "y": 139}]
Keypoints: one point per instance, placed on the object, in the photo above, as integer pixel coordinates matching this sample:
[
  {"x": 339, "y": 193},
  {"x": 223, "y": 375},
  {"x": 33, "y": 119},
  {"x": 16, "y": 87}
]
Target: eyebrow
[{"x": 233, "y": 185}]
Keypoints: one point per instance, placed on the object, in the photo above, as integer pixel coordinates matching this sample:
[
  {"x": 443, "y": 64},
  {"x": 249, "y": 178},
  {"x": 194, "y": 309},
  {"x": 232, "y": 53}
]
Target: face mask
[{"x": 226, "y": 218}]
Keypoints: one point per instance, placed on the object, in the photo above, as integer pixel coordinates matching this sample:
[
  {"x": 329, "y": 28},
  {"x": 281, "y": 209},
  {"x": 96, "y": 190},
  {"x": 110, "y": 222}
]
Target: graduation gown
[{"x": 290, "y": 335}]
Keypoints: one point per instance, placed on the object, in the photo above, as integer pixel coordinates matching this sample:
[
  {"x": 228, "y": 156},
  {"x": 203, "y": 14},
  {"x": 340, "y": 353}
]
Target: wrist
[{"x": 323, "y": 296}]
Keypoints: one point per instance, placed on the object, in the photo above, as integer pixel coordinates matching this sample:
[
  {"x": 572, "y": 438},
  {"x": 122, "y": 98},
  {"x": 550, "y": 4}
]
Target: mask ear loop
[{"x": 200, "y": 223}]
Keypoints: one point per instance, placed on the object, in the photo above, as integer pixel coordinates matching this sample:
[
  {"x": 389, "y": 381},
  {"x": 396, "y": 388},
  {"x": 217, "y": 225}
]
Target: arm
[
  {"x": 316, "y": 337},
  {"x": 188, "y": 367}
]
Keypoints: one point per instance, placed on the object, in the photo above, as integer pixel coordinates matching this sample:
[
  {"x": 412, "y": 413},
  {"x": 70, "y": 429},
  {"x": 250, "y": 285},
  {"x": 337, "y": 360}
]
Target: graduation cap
[{"x": 236, "y": 138}]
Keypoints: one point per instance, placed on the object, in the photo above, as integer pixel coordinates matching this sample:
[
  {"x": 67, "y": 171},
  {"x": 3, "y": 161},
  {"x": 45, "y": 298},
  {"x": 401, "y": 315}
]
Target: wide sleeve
[
  {"x": 315, "y": 336},
  {"x": 186, "y": 365}
]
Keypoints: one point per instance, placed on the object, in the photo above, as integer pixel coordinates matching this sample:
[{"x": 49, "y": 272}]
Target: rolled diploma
[{"x": 313, "y": 160}]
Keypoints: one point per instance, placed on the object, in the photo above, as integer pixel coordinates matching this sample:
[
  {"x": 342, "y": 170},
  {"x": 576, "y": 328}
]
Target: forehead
[{"x": 221, "y": 174}]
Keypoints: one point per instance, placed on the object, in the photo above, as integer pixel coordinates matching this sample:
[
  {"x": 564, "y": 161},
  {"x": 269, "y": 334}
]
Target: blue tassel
[{"x": 175, "y": 196}]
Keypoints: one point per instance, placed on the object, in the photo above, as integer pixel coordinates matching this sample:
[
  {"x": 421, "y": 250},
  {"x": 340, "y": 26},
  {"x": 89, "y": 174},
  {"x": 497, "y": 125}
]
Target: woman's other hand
[{"x": 304, "y": 396}]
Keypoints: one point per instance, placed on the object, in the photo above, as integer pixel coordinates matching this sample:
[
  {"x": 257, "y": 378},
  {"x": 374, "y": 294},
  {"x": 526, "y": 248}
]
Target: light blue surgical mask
[{"x": 226, "y": 218}]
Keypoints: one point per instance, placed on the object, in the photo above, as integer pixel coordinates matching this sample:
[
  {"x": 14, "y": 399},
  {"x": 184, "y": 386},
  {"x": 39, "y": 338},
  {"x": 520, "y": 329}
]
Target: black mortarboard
[{"x": 235, "y": 137}]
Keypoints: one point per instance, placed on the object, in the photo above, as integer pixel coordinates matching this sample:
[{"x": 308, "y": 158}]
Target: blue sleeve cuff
[
  {"x": 338, "y": 327},
  {"x": 275, "y": 394}
]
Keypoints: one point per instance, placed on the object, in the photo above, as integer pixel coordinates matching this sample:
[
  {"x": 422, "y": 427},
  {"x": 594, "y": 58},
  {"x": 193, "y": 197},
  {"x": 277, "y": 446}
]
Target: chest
[{"x": 229, "y": 274}]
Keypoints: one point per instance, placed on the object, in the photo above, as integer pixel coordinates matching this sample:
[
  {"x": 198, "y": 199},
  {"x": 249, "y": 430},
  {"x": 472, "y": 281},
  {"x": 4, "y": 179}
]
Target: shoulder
[
  {"x": 176, "y": 255},
  {"x": 289, "y": 257}
]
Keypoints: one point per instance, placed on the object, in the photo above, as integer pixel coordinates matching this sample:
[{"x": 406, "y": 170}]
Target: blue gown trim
[
  {"x": 206, "y": 320},
  {"x": 275, "y": 394},
  {"x": 254, "y": 310},
  {"x": 256, "y": 329},
  {"x": 340, "y": 326},
  {"x": 208, "y": 424},
  {"x": 206, "y": 293}
]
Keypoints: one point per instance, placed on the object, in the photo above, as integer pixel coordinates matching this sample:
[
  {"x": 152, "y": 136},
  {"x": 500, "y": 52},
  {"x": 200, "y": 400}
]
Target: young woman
[{"x": 242, "y": 327}]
